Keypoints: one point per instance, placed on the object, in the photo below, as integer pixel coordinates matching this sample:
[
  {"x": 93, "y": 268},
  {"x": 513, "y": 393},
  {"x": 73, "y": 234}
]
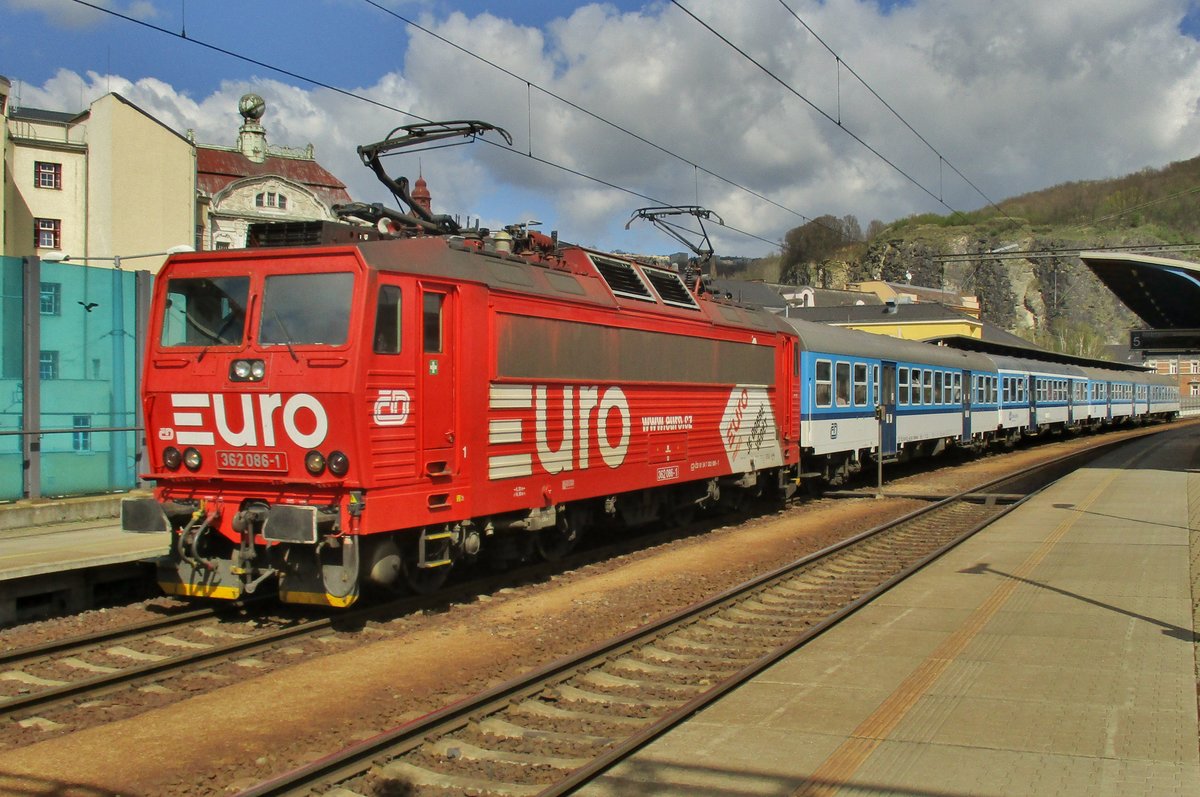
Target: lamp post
[{"x": 118, "y": 452}]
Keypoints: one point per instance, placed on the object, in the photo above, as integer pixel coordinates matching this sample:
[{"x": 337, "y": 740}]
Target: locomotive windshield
[
  {"x": 205, "y": 311},
  {"x": 306, "y": 309}
]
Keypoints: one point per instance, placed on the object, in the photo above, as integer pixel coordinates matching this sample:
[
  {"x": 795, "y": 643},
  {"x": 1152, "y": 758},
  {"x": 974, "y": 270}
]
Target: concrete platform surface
[
  {"x": 1051, "y": 654},
  {"x": 74, "y": 546}
]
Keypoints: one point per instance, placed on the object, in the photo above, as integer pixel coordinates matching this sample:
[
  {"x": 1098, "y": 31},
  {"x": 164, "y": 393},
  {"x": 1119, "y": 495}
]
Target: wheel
[
  {"x": 554, "y": 543},
  {"x": 422, "y": 580}
]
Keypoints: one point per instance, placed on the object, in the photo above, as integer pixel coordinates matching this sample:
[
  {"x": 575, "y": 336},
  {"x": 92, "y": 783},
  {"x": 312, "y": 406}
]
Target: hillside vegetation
[{"x": 1053, "y": 300}]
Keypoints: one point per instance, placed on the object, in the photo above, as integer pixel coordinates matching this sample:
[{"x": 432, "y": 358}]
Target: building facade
[
  {"x": 254, "y": 181},
  {"x": 110, "y": 182}
]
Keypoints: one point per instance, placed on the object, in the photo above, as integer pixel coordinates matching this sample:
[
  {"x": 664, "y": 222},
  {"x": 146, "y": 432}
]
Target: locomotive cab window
[
  {"x": 306, "y": 309},
  {"x": 387, "y": 320},
  {"x": 205, "y": 311}
]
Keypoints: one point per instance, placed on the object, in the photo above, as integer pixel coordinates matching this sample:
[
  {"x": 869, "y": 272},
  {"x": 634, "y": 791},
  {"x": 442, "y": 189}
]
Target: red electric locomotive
[{"x": 368, "y": 414}]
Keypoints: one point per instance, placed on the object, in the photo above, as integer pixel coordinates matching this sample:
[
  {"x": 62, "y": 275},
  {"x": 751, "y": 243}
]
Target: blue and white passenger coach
[{"x": 924, "y": 393}]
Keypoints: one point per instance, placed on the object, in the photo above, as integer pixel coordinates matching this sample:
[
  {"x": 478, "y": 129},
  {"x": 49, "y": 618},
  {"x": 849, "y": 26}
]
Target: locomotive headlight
[
  {"x": 339, "y": 463},
  {"x": 192, "y": 459},
  {"x": 247, "y": 370},
  {"x": 314, "y": 462},
  {"x": 171, "y": 458}
]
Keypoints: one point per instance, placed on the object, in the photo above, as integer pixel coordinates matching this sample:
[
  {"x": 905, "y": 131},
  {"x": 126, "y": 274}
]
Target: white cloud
[{"x": 1018, "y": 94}]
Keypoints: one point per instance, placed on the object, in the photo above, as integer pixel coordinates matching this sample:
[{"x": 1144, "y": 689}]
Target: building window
[
  {"x": 81, "y": 438},
  {"x": 47, "y": 175},
  {"x": 270, "y": 199},
  {"x": 51, "y": 298},
  {"x": 1173, "y": 366},
  {"x": 48, "y": 364},
  {"x": 47, "y": 233},
  {"x": 1194, "y": 366}
]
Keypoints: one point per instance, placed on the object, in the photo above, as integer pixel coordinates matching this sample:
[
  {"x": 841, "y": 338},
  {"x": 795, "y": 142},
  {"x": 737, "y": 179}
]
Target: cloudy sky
[{"x": 1014, "y": 95}]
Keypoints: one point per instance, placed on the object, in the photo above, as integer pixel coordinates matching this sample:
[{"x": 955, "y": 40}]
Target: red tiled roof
[{"x": 217, "y": 168}]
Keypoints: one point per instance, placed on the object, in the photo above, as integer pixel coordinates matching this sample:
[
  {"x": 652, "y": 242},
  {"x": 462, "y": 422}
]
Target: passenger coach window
[
  {"x": 387, "y": 320},
  {"x": 939, "y": 397},
  {"x": 205, "y": 311},
  {"x": 843, "y": 384},
  {"x": 307, "y": 309},
  {"x": 916, "y": 386},
  {"x": 824, "y": 380},
  {"x": 929, "y": 387},
  {"x": 860, "y": 384},
  {"x": 902, "y": 381}
]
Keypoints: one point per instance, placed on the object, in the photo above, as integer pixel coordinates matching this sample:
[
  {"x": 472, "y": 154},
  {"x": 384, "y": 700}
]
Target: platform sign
[{"x": 1165, "y": 341}]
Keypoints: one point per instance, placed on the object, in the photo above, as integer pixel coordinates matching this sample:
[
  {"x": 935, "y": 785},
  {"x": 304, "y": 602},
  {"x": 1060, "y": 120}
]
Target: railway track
[
  {"x": 73, "y": 670},
  {"x": 38, "y": 683},
  {"x": 551, "y": 731}
]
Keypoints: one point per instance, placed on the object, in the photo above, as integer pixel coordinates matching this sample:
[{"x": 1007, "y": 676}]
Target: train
[{"x": 404, "y": 398}]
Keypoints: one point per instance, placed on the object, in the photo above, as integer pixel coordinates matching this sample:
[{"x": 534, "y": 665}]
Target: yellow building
[
  {"x": 902, "y": 320},
  {"x": 901, "y": 292},
  {"x": 110, "y": 182}
]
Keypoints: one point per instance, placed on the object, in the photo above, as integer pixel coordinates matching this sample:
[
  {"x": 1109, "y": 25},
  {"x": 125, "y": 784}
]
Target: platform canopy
[{"x": 1163, "y": 292}]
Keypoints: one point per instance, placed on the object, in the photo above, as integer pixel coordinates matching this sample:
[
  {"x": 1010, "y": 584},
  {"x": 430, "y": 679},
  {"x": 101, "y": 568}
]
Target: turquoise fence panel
[
  {"x": 12, "y": 326},
  {"x": 87, "y": 366}
]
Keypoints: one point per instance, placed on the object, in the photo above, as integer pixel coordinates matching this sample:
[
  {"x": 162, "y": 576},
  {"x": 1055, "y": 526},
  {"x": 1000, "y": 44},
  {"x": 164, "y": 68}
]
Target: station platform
[
  {"x": 53, "y": 568},
  {"x": 1051, "y": 654}
]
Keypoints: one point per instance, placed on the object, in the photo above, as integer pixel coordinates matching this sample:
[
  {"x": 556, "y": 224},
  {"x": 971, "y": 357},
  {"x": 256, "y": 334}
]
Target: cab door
[{"x": 437, "y": 379}]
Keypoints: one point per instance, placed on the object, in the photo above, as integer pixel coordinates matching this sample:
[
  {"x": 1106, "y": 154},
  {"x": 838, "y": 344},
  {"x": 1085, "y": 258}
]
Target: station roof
[
  {"x": 1163, "y": 292},
  {"x": 998, "y": 342}
]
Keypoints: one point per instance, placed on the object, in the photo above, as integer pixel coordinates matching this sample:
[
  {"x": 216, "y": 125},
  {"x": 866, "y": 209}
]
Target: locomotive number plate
[{"x": 266, "y": 461}]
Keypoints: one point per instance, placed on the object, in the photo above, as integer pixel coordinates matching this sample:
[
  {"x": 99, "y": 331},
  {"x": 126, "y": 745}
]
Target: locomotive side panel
[{"x": 581, "y": 409}]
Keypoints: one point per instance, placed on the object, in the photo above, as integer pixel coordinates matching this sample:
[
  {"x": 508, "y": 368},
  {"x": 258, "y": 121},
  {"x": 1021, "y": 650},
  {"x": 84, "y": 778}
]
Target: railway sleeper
[
  {"x": 574, "y": 694},
  {"x": 726, "y": 623},
  {"x": 661, "y": 655},
  {"x": 651, "y": 669},
  {"x": 538, "y": 708},
  {"x": 608, "y": 680},
  {"x": 455, "y": 749},
  {"x": 707, "y": 652},
  {"x": 695, "y": 637},
  {"x": 406, "y": 774},
  {"x": 503, "y": 729},
  {"x": 762, "y": 614}
]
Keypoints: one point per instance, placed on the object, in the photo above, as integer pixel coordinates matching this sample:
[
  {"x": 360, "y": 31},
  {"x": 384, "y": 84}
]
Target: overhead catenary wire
[
  {"x": 353, "y": 95},
  {"x": 576, "y": 106},
  {"x": 792, "y": 90},
  {"x": 942, "y": 160}
]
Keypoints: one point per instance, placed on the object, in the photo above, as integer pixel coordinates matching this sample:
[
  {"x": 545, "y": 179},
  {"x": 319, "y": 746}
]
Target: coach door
[
  {"x": 968, "y": 395},
  {"x": 437, "y": 380},
  {"x": 1031, "y": 383},
  {"x": 888, "y": 409}
]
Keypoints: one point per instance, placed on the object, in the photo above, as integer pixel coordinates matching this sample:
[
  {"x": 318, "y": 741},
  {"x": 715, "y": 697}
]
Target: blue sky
[{"x": 1016, "y": 94}]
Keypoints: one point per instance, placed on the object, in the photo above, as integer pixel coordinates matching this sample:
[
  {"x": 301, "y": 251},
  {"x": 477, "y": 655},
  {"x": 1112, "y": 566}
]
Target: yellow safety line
[{"x": 842, "y": 764}]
